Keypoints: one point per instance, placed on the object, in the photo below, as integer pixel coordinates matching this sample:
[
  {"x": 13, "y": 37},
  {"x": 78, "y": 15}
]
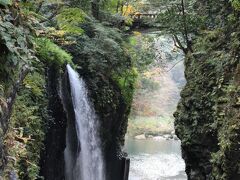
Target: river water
[
  {"x": 158, "y": 158},
  {"x": 155, "y": 159}
]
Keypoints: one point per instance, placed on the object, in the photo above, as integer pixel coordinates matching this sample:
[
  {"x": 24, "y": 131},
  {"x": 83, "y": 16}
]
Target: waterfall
[{"x": 87, "y": 162}]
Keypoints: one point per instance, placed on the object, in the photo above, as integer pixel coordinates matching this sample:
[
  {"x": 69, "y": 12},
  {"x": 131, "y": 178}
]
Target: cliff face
[
  {"x": 108, "y": 97},
  {"x": 207, "y": 117},
  {"x": 35, "y": 101},
  {"x": 102, "y": 63},
  {"x": 52, "y": 156}
]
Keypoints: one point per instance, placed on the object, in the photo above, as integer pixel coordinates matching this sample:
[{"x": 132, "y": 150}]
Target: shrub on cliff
[
  {"x": 51, "y": 53},
  {"x": 69, "y": 20}
]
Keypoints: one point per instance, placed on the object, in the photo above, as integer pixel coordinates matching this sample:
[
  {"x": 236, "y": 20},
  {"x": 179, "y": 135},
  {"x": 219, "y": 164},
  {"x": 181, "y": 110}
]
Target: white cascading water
[{"x": 88, "y": 163}]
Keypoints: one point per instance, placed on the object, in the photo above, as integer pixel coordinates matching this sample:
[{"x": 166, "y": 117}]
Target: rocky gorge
[{"x": 39, "y": 115}]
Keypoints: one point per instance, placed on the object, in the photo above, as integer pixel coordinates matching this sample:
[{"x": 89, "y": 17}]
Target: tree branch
[
  {"x": 39, "y": 7},
  {"x": 174, "y": 65},
  {"x": 175, "y": 43},
  {"x": 188, "y": 42},
  {"x": 178, "y": 44}
]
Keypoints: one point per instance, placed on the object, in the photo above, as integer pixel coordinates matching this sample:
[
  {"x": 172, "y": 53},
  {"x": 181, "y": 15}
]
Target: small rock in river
[
  {"x": 175, "y": 137},
  {"x": 140, "y": 137},
  {"x": 168, "y": 136},
  {"x": 150, "y": 136}
]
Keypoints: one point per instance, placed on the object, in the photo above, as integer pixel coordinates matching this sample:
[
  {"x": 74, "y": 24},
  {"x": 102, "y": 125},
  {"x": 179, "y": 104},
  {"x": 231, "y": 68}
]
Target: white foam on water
[{"x": 155, "y": 166}]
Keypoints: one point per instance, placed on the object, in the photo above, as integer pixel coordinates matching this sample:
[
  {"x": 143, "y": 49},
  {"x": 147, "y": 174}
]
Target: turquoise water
[{"x": 155, "y": 159}]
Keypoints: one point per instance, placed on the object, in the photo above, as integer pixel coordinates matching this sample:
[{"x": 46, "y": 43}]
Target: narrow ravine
[
  {"x": 152, "y": 145},
  {"x": 119, "y": 90}
]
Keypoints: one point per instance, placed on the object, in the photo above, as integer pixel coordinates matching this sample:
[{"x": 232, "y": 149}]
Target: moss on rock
[{"x": 207, "y": 117}]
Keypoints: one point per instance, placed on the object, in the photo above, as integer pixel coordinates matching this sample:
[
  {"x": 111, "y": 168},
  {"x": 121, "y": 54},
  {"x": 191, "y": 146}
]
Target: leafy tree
[
  {"x": 182, "y": 23},
  {"x": 142, "y": 51},
  {"x": 69, "y": 20}
]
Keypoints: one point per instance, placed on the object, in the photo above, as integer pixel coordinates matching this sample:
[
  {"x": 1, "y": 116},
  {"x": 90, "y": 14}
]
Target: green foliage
[
  {"x": 174, "y": 22},
  {"x": 209, "y": 41},
  {"x": 101, "y": 52},
  {"x": 16, "y": 40},
  {"x": 141, "y": 51},
  {"x": 149, "y": 125},
  {"x": 35, "y": 84},
  {"x": 70, "y": 19},
  {"x": 149, "y": 85},
  {"x": 83, "y": 4},
  {"x": 25, "y": 138},
  {"x": 112, "y": 6},
  {"x": 5, "y": 2},
  {"x": 181, "y": 21},
  {"x": 51, "y": 53},
  {"x": 16, "y": 48},
  {"x": 126, "y": 81},
  {"x": 133, "y": 41},
  {"x": 236, "y": 4}
]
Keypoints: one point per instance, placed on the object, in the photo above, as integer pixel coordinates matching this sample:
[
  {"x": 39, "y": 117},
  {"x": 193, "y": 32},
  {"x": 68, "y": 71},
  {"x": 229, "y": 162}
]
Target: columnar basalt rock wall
[
  {"x": 52, "y": 157},
  {"x": 112, "y": 117},
  {"x": 207, "y": 117}
]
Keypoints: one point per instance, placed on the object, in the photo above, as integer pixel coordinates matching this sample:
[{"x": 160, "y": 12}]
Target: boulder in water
[
  {"x": 150, "y": 136},
  {"x": 140, "y": 137},
  {"x": 175, "y": 137},
  {"x": 168, "y": 136}
]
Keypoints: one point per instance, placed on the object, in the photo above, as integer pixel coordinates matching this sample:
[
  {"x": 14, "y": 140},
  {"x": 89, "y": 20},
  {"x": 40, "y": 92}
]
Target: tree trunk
[
  {"x": 188, "y": 42},
  {"x": 118, "y": 4},
  {"x": 95, "y": 6},
  {"x": 11, "y": 99}
]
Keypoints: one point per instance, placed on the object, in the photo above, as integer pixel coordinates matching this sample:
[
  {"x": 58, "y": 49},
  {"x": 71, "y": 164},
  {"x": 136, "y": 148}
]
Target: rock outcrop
[{"x": 207, "y": 117}]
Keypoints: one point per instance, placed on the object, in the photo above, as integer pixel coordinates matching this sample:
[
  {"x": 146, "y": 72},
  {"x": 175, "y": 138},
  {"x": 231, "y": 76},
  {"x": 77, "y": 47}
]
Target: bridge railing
[{"x": 138, "y": 16}]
